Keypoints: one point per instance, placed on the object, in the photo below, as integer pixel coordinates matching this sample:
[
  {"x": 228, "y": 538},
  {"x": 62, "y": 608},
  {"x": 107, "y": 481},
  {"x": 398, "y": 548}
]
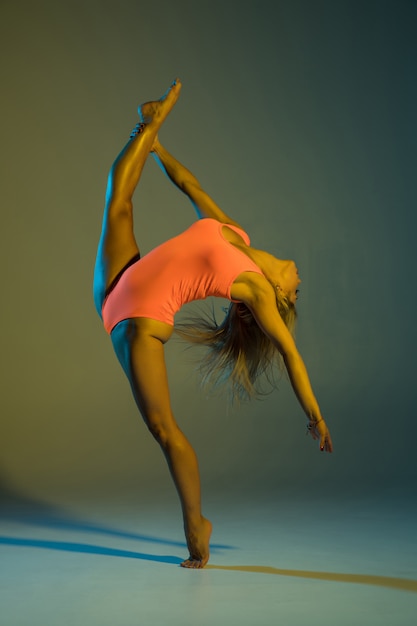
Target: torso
[{"x": 191, "y": 266}]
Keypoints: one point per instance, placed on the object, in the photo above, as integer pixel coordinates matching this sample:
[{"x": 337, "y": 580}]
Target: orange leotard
[{"x": 194, "y": 265}]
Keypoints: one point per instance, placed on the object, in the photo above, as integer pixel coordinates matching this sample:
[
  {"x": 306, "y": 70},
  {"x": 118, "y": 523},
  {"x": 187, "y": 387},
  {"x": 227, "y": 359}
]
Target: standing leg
[
  {"x": 139, "y": 346},
  {"x": 117, "y": 246}
]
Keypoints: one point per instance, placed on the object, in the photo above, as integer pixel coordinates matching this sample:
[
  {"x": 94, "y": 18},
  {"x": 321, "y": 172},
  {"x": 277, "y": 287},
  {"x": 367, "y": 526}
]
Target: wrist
[{"x": 312, "y": 424}]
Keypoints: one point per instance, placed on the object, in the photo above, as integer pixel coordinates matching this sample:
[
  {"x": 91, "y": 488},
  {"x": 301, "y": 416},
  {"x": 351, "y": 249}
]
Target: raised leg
[
  {"x": 141, "y": 354},
  {"x": 117, "y": 246}
]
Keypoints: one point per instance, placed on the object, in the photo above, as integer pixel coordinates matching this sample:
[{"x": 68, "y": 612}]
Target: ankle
[
  {"x": 193, "y": 523},
  {"x": 138, "y": 130}
]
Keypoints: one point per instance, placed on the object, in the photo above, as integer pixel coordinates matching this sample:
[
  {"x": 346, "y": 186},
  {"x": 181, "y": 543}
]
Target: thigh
[
  {"x": 139, "y": 346},
  {"x": 116, "y": 250}
]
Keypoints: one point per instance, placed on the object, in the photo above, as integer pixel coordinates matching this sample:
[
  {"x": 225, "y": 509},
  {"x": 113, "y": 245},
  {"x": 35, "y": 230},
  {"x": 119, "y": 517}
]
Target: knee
[
  {"x": 165, "y": 434},
  {"x": 119, "y": 208}
]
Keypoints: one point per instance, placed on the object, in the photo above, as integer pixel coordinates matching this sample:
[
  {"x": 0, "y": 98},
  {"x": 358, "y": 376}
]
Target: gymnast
[{"x": 137, "y": 298}]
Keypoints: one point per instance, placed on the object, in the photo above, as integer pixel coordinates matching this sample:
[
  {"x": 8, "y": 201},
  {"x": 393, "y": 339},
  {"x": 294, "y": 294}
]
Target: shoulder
[{"x": 250, "y": 287}]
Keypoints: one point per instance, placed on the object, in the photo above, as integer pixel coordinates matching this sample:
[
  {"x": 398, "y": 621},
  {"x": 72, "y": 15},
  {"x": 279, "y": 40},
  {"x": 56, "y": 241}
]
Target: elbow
[{"x": 188, "y": 187}]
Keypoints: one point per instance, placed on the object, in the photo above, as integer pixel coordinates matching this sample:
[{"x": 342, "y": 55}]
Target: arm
[
  {"x": 188, "y": 184},
  {"x": 259, "y": 296}
]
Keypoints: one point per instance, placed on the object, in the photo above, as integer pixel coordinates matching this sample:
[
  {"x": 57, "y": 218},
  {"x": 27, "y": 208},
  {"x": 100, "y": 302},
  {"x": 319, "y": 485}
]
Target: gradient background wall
[{"x": 299, "y": 118}]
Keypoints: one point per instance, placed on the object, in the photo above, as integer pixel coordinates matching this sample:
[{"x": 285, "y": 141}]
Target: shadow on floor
[
  {"x": 84, "y": 548},
  {"x": 21, "y": 509},
  {"x": 405, "y": 584}
]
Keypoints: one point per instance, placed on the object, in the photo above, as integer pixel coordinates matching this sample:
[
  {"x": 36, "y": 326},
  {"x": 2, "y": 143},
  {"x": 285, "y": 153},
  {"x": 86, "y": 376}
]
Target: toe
[{"x": 192, "y": 564}]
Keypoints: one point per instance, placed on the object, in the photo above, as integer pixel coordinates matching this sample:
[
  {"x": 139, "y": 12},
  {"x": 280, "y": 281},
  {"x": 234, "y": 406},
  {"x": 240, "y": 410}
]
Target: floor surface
[{"x": 304, "y": 561}]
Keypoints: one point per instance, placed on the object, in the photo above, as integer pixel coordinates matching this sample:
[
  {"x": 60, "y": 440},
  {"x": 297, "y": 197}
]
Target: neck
[{"x": 271, "y": 267}]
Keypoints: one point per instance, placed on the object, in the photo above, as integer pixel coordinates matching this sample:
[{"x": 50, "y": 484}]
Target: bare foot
[
  {"x": 198, "y": 545},
  {"x": 157, "y": 110}
]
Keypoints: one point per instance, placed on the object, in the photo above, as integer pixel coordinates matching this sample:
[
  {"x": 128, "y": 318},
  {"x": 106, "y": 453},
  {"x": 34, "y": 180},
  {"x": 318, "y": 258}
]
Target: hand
[
  {"x": 319, "y": 430},
  {"x": 155, "y": 144}
]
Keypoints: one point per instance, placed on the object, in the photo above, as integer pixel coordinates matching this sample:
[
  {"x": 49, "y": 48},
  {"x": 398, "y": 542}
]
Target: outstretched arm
[
  {"x": 188, "y": 184},
  {"x": 258, "y": 295}
]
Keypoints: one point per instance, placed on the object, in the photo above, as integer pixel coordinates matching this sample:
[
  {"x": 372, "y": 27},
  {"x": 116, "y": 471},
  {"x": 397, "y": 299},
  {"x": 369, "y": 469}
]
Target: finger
[{"x": 326, "y": 444}]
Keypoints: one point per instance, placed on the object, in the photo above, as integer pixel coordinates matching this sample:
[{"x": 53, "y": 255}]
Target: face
[{"x": 290, "y": 280}]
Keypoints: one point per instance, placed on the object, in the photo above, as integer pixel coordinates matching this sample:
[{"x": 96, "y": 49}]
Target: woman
[{"x": 138, "y": 297}]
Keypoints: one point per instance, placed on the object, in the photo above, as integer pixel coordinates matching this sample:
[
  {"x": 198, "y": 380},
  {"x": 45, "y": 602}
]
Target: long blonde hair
[{"x": 238, "y": 351}]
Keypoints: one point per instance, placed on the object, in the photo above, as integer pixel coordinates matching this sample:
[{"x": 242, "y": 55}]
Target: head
[
  {"x": 288, "y": 281},
  {"x": 285, "y": 282}
]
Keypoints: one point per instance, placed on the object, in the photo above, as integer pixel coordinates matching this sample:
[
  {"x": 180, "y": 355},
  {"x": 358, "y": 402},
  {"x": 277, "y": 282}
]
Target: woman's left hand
[
  {"x": 319, "y": 430},
  {"x": 155, "y": 145}
]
